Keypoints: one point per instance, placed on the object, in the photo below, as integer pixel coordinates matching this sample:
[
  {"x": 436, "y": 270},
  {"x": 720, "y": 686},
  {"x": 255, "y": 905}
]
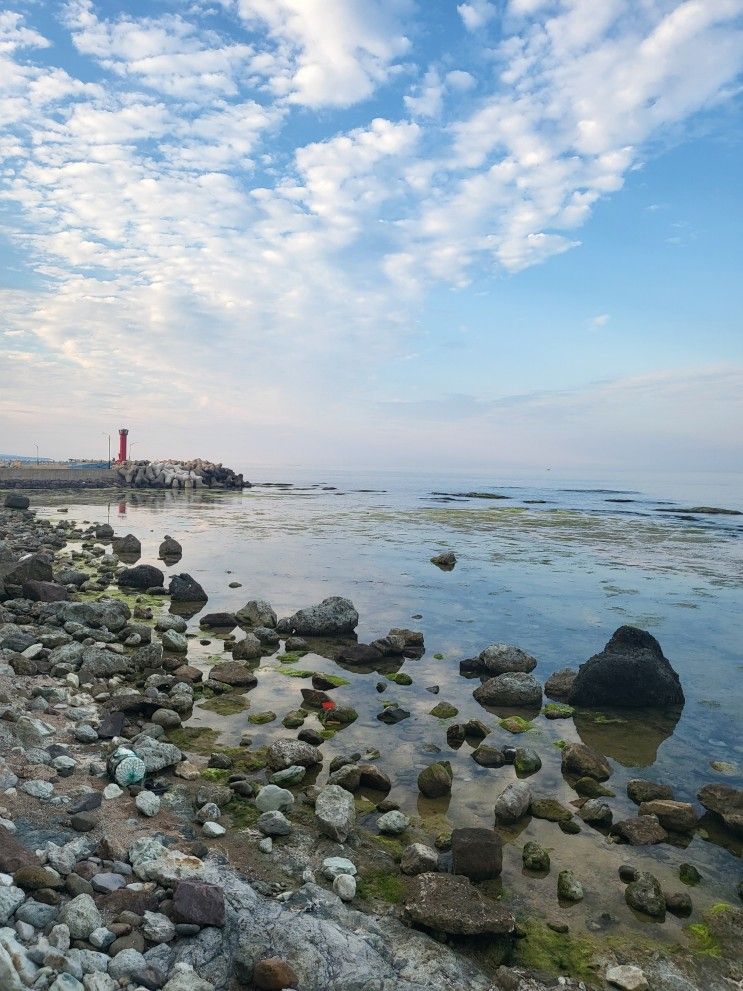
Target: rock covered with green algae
[{"x": 435, "y": 780}]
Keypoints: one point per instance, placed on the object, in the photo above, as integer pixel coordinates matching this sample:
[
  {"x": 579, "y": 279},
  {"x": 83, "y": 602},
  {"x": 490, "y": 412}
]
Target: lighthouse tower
[{"x": 123, "y": 434}]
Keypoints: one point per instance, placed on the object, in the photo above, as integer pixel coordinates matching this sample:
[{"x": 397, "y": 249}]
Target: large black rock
[
  {"x": 141, "y": 576},
  {"x": 184, "y": 588},
  {"x": 631, "y": 671}
]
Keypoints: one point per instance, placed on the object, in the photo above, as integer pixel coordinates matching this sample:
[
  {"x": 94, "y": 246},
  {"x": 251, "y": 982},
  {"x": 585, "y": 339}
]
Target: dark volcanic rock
[
  {"x": 477, "y": 853},
  {"x": 640, "y": 790},
  {"x": 15, "y": 501},
  {"x": 233, "y": 673},
  {"x": 44, "y": 591},
  {"x": 560, "y": 684},
  {"x": 218, "y": 620},
  {"x": 184, "y": 588},
  {"x": 580, "y": 761},
  {"x": 198, "y": 903},
  {"x": 359, "y": 653},
  {"x": 126, "y": 545},
  {"x": 141, "y": 576},
  {"x": 630, "y": 671},
  {"x": 641, "y": 830},
  {"x": 515, "y": 688},
  {"x": 333, "y": 617}
]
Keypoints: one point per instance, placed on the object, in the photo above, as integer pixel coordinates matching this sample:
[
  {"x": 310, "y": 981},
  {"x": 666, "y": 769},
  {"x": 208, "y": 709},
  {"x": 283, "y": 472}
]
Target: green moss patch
[
  {"x": 516, "y": 724},
  {"x": 292, "y": 656},
  {"x": 558, "y": 710},
  {"x": 335, "y": 679},
  {"x": 243, "y": 813},
  {"x": 225, "y": 705},
  {"x": 260, "y": 718},
  {"x": 702, "y": 941},
  {"x": 564, "y": 954},
  {"x": 295, "y": 672},
  {"x": 387, "y": 886},
  {"x": 194, "y": 739},
  {"x": 400, "y": 678},
  {"x": 216, "y": 774}
]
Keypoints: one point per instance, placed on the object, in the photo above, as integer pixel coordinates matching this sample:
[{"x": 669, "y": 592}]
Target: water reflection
[{"x": 629, "y": 736}]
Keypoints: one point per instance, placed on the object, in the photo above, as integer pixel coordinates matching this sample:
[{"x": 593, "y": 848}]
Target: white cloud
[
  {"x": 476, "y": 13},
  {"x": 331, "y": 52},
  {"x": 600, "y": 320}
]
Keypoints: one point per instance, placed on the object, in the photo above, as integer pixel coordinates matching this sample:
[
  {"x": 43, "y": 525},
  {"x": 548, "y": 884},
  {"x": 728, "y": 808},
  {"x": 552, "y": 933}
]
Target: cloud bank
[{"x": 240, "y": 207}]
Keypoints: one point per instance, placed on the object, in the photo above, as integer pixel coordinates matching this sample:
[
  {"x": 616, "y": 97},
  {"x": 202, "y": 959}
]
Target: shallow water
[{"x": 555, "y": 577}]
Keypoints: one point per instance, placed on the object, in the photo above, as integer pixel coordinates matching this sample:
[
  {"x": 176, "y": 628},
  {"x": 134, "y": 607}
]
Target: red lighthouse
[{"x": 123, "y": 434}]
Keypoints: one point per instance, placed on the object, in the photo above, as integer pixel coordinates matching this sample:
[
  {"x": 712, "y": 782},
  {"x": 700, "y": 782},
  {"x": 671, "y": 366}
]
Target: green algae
[
  {"x": 335, "y": 679},
  {"x": 225, "y": 705},
  {"x": 261, "y": 718},
  {"x": 444, "y": 710},
  {"x": 292, "y": 656},
  {"x": 400, "y": 678},
  {"x": 295, "y": 672},
  {"x": 215, "y": 774},
  {"x": 516, "y": 724},
  {"x": 386, "y": 886},
  {"x": 194, "y": 739},
  {"x": 703, "y": 943},
  {"x": 557, "y": 710},
  {"x": 563, "y": 954}
]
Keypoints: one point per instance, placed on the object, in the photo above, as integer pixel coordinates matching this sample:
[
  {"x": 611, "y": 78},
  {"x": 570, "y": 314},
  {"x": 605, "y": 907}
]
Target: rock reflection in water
[{"x": 628, "y": 736}]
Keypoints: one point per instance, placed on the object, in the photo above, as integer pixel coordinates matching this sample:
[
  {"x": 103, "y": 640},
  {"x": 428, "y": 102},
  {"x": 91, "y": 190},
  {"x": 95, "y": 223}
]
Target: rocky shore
[{"x": 137, "y": 852}]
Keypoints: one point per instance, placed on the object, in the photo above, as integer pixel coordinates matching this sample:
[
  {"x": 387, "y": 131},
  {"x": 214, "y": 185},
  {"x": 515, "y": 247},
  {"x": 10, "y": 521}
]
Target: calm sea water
[{"x": 555, "y": 576}]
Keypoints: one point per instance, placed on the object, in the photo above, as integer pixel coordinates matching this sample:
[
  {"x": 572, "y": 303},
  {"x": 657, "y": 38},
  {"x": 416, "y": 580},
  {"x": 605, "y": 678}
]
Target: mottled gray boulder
[
  {"x": 516, "y": 688},
  {"x": 97, "y": 663},
  {"x": 286, "y": 753},
  {"x": 111, "y": 614},
  {"x": 500, "y": 658},
  {"x": 630, "y": 671},
  {"x": 257, "y": 612},
  {"x": 128, "y": 544},
  {"x": 156, "y": 755},
  {"x": 14, "y": 500},
  {"x": 335, "y": 812},
  {"x": 513, "y": 802},
  {"x": 560, "y": 684},
  {"x": 329, "y": 944},
  {"x": 451, "y": 904},
  {"x": 332, "y": 617}
]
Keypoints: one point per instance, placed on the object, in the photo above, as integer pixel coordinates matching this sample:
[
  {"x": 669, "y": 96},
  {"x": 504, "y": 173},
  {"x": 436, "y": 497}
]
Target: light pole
[
  {"x": 37, "y": 453},
  {"x": 105, "y": 434}
]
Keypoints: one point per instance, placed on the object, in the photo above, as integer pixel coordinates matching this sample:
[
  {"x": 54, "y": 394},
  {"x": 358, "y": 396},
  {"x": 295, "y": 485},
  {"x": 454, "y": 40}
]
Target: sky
[{"x": 374, "y": 232}]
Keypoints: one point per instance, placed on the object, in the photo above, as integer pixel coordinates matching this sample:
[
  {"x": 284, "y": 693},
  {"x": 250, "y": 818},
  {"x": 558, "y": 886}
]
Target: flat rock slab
[
  {"x": 198, "y": 903},
  {"x": 450, "y": 904}
]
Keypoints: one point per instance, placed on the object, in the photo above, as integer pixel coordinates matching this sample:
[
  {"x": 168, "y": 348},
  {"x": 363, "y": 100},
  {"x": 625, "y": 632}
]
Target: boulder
[
  {"x": 640, "y": 830},
  {"x": 513, "y": 689},
  {"x": 170, "y": 548},
  {"x": 257, "y": 612},
  {"x": 725, "y": 802},
  {"x": 335, "y": 812},
  {"x": 646, "y": 895},
  {"x": 287, "y": 753},
  {"x": 513, "y": 802},
  {"x": 580, "y": 761},
  {"x": 218, "y": 621},
  {"x": 500, "y": 658},
  {"x": 126, "y": 545},
  {"x": 333, "y": 617},
  {"x": 32, "y": 567},
  {"x": 247, "y": 649},
  {"x": 477, "y": 853},
  {"x": 487, "y": 756},
  {"x": 38, "y": 591},
  {"x": 451, "y": 904},
  {"x": 445, "y": 561},
  {"x": 233, "y": 673},
  {"x": 14, "y": 500},
  {"x": 560, "y": 684},
  {"x": 435, "y": 780},
  {"x": 640, "y": 790},
  {"x": 630, "y": 671},
  {"x": 184, "y": 588},
  {"x": 198, "y": 903},
  {"x": 418, "y": 859},
  {"x": 142, "y": 576},
  {"x": 678, "y": 817},
  {"x": 358, "y": 654}
]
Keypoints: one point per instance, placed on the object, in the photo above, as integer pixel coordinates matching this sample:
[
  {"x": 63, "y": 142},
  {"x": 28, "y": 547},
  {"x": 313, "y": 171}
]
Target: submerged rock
[
  {"x": 513, "y": 802},
  {"x": 445, "y": 561},
  {"x": 141, "y": 576},
  {"x": 641, "y": 831},
  {"x": 645, "y": 895},
  {"x": 725, "y": 802},
  {"x": 435, "y": 780},
  {"x": 477, "y": 853},
  {"x": 630, "y": 671},
  {"x": 580, "y": 761},
  {"x": 184, "y": 588}
]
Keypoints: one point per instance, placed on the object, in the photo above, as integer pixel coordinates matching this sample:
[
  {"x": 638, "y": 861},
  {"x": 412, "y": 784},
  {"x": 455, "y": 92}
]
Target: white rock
[
  {"x": 345, "y": 887},
  {"x": 627, "y": 977},
  {"x": 112, "y": 791},
  {"x": 81, "y": 916},
  {"x": 271, "y": 798},
  {"x": 185, "y": 978},
  {"x": 157, "y": 927},
  {"x": 213, "y": 829},
  {"x": 333, "y": 867},
  {"x": 10, "y": 898},
  {"x": 148, "y": 803},
  {"x": 393, "y": 823},
  {"x": 335, "y": 812}
]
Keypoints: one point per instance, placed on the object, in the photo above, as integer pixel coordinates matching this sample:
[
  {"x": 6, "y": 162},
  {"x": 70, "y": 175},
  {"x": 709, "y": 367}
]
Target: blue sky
[{"x": 374, "y": 232}]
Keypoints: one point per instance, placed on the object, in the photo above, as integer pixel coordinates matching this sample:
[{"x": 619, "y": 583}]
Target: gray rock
[
  {"x": 419, "y": 859},
  {"x": 335, "y": 812},
  {"x": 345, "y": 887},
  {"x": 393, "y": 823},
  {"x": 157, "y": 928},
  {"x": 174, "y": 642},
  {"x": 516, "y": 688},
  {"x": 274, "y": 824},
  {"x": 81, "y": 916},
  {"x": 127, "y": 965},
  {"x": 156, "y": 755},
  {"x": 513, "y": 802},
  {"x": 271, "y": 798},
  {"x": 10, "y": 899},
  {"x": 334, "y": 616},
  {"x": 286, "y": 753},
  {"x": 257, "y": 613},
  {"x": 501, "y": 658},
  {"x": 148, "y": 803}
]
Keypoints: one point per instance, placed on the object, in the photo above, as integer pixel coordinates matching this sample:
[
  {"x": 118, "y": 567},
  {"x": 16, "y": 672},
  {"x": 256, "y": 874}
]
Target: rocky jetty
[{"x": 178, "y": 475}]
